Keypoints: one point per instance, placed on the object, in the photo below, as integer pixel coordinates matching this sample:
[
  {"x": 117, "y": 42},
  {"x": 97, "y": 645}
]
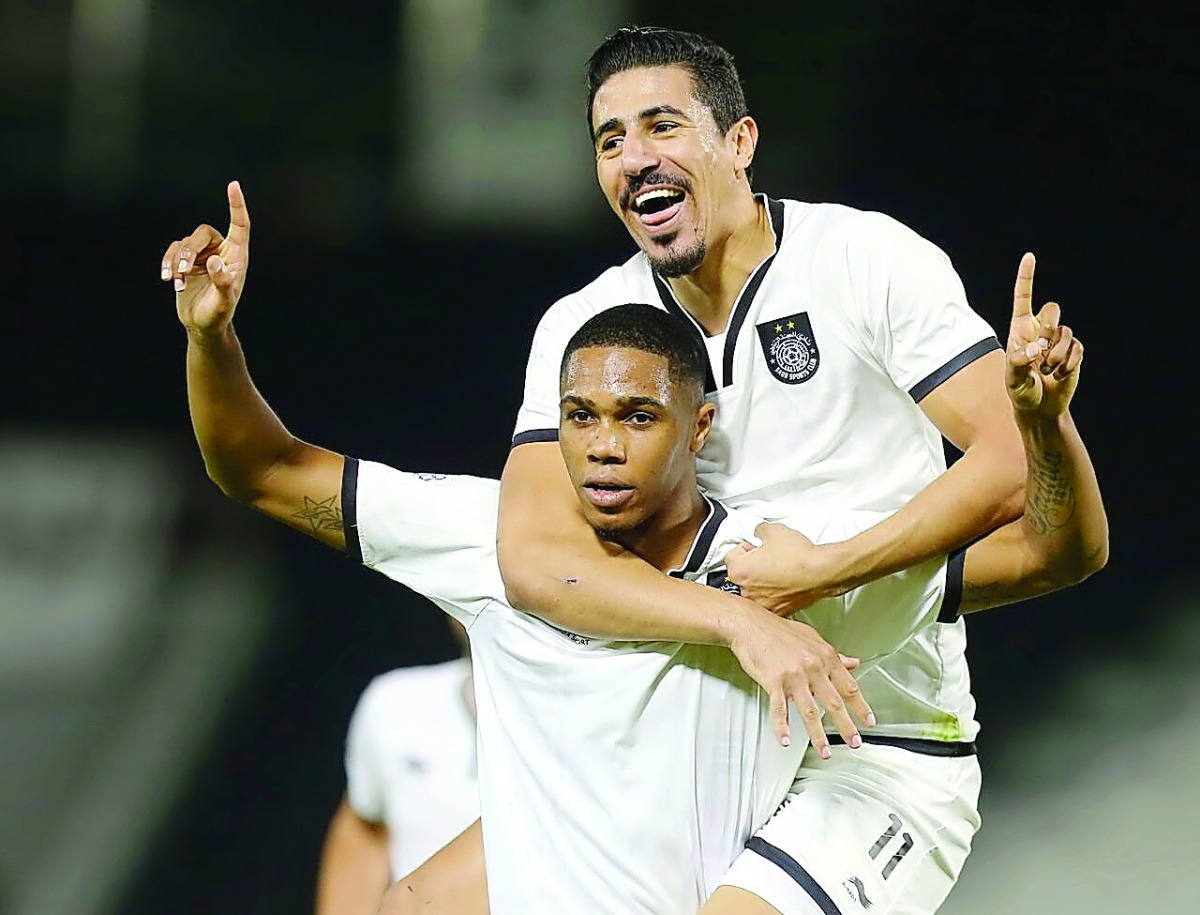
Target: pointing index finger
[
  {"x": 239, "y": 216},
  {"x": 1023, "y": 289}
]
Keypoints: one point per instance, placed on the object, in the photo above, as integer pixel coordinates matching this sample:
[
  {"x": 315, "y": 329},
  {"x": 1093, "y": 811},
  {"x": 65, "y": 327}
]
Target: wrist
[{"x": 210, "y": 337}]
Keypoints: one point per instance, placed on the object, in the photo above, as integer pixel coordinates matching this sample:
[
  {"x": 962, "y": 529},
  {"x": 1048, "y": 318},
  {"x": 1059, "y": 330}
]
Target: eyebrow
[
  {"x": 639, "y": 400},
  {"x": 644, "y": 115}
]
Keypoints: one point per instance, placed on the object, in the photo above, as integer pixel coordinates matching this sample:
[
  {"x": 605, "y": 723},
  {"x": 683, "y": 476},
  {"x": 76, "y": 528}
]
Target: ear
[
  {"x": 743, "y": 140},
  {"x": 704, "y": 422}
]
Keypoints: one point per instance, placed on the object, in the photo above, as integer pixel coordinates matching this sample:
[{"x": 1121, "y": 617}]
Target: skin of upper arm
[
  {"x": 971, "y": 409},
  {"x": 538, "y": 511},
  {"x": 354, "y": 868},
  {"x": 303, "y": 489}
]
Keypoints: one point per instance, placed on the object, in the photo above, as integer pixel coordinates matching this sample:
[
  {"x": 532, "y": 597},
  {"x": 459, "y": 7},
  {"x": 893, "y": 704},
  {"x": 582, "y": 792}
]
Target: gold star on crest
[
  {"x": 778, "y": 328},
  {"x": 791, "y": 325}
]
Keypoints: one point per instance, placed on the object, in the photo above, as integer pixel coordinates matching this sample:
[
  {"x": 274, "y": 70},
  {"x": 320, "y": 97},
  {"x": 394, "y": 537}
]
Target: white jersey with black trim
[
  {"x": 830, "y": 347},
  {"x": 615, "y": 777},
  {"x": 410, "y": 759}
]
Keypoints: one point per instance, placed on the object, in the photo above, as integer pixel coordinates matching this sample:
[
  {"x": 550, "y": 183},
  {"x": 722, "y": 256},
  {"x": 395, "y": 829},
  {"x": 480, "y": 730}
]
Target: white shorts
[{"x": 880, "y": 828}]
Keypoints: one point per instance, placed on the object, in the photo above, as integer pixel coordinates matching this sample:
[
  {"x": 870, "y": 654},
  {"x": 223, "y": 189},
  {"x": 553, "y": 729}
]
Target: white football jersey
[
  {"x": 615, "y": 777},
  {"x": 831, "y": 345},
  {"x": 410, "y": 759}
]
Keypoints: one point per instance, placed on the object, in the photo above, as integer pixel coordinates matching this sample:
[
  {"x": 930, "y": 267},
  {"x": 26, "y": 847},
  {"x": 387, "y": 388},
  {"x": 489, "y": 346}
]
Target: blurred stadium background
[{"x": 176, "y": 674}]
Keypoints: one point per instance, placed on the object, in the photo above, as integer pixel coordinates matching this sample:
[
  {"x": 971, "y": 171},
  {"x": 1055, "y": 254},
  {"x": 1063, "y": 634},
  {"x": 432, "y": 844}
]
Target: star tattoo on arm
[{"x": 323, "y": 515}]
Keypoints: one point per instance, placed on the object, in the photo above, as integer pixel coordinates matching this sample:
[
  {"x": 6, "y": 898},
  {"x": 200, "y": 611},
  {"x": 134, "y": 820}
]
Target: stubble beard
[{"x": 672, "y": 264}]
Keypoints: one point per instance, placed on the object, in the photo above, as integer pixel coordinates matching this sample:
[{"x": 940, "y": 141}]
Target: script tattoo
[
  {"x": 1050, "y": 498},
  {"x": 325, "y": 515}
]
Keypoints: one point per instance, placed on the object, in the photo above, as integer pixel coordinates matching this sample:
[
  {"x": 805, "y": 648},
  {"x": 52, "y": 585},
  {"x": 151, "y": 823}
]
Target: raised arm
[
  {"x": 1062, "y": 538},
  {"x": 248, "y": 452},
  {"x": 555, "y": 567},
  {"x": 982, "y": 491}
]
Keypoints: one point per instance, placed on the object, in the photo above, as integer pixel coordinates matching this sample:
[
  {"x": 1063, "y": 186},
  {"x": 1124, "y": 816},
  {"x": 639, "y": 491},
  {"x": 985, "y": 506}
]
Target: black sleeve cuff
[
  {"x": 350, "y": 509},
  {"x": 535, "y": 435},
  {"x": 952, "y": 598},
  {"x": 922, "y": 388}
]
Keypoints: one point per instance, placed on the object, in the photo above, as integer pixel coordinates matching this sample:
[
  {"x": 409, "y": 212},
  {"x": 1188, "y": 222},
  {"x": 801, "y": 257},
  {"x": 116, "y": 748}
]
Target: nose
[
  {"x": 638, "y": 155},
  {"x": 606, "y": 445}
]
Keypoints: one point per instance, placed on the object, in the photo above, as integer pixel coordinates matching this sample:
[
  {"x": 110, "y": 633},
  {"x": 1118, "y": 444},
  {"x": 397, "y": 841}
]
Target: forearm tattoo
[
  {"x": 1049, "y": 496},
  {"x": 325, "y": 515}
]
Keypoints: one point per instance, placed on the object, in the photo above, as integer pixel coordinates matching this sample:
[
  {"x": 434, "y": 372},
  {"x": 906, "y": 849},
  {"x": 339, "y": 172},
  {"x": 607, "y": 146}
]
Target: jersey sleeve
[
  {"x": 537, "y": 420},
  {"x": 920, "y": 326},
  {"x": 873, "y": 620},
  {"x": 364, "y": 777},
  {"x": 434, "y": 533}
]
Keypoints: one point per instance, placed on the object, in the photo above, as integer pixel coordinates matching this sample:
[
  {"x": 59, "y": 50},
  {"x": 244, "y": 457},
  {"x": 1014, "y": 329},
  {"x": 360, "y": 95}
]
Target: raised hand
[
  {"x": 1043, "y": 354},
  {"x": 209, "y": 270}
]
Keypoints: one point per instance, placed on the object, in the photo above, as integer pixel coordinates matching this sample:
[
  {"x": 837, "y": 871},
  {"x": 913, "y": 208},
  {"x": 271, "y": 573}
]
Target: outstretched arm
[
  {"x": 1063, "y": 536},
  {"x": 248, "y": 452}
]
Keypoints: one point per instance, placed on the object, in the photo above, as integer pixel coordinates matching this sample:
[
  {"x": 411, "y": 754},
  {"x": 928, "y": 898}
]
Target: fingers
[
  {"x": 239, "y": 216},
  {"x": 1065, "y": 356},
  {"x": 810, "y": 716},
  {"x": 182, "y": 256},
  {"x": 779, "y": 716},
  {"x": 1023, "y": 289}
]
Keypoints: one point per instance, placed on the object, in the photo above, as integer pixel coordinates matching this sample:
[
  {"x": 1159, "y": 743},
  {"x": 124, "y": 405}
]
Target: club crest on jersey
[{"x": 790, "y": 348}]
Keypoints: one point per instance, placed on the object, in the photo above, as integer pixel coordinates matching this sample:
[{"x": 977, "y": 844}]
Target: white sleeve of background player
[
  {"x": 923, "y": 331},
  {"x": 873, "y": 620},
  {"x": 364, "y": 778},
  {"x": 434, "y": 533}
]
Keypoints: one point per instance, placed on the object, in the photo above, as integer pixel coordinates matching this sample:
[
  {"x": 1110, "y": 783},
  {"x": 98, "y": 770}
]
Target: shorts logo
[
  {"x": 790, "y": 348},
  {"x": 856, "y": 891}
]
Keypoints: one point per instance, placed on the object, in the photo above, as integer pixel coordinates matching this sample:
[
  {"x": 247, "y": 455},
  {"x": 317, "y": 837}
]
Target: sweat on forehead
[{"x": 646, "y": 328}]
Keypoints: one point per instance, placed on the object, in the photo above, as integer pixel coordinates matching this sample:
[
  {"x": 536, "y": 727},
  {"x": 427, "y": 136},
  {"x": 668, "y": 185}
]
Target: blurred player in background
[{"x": 411, "y": 781}]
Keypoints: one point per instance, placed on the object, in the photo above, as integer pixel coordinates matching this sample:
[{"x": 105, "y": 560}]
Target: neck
[
  {"x": 665, "y": 539},
  {"x": 709, "y": 292}
]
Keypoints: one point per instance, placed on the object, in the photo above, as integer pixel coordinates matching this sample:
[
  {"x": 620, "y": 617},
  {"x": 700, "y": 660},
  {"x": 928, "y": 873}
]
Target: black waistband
[{"x": 915, "y": 744}]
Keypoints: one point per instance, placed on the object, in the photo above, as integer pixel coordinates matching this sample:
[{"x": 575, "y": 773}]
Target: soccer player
[
  {"x": 411, "y": 781},
  {"x": 585, "y": 815},
  {"x": 841, "y": 351}
]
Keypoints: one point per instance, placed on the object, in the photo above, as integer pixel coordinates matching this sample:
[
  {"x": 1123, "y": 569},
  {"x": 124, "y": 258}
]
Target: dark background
[{"x": 991, "y": 132}]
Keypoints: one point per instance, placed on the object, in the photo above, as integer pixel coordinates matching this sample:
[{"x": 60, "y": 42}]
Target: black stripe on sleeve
[
  {"x": 952, "y": 599},
  {"x": 922, "y": 388},
  {"x": 535, "y": 435},
  {"x": 350, "y": 509},
  {"x": 792, "y": 868}
]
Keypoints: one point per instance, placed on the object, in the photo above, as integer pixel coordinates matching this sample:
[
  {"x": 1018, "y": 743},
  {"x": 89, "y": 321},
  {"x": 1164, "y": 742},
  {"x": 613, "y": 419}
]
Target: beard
[{"x": 671, "y": 263}]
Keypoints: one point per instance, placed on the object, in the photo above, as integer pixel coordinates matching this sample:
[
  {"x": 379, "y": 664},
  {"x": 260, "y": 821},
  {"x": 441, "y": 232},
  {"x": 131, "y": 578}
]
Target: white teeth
[{"x": 642, "y": 199}]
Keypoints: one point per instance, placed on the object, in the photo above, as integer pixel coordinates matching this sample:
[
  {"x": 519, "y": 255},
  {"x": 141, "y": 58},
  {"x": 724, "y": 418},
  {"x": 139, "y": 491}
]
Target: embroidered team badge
[{"x": 790, "y": 348}]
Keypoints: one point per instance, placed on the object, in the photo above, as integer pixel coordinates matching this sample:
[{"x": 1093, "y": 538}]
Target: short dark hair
[
  {"x": 650, "y": 330},
  {"x": 718, "y": 85}
]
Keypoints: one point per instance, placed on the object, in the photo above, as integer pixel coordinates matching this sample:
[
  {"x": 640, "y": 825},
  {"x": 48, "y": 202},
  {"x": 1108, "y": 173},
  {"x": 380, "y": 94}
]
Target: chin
[
  {"x": 612, "y": 527},
  {"x": 676, "y": 258}
]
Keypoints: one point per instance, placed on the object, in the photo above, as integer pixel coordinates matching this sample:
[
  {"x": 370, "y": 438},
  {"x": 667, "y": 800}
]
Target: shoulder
[
  {"x": 835, "y": 225},
  {"x": 618, "y": 285},
  {"x": 398, "y": 692}
]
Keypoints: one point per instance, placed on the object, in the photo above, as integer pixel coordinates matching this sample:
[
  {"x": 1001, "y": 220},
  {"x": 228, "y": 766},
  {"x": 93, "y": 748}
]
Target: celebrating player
[{"x": 556, "y": 779}]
